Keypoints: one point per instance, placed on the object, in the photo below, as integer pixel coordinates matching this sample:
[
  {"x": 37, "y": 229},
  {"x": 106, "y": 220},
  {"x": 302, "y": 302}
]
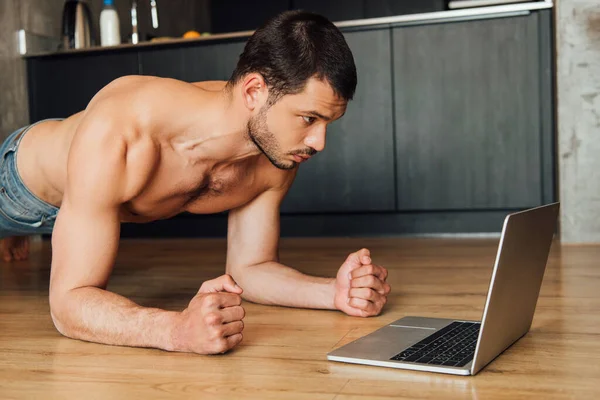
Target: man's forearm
[
  {"x": 276, "y": 284},
  {"x": 96, "y": 315}
]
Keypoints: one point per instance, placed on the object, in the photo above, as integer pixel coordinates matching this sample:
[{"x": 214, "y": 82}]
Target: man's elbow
[
  {"x": 238, "y": 273},
  {"x": 59, "y": 303}
]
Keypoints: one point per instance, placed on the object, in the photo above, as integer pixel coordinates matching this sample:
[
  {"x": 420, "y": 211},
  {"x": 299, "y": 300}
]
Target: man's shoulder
[
  {"x": 128, "y": 86},
  {"x": 101, "y": 146}
]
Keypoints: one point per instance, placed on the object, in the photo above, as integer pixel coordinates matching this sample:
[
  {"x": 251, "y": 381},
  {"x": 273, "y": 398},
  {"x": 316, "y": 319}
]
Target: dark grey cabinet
[
  {"x": 355, "y": 172},
  {"x": 332, "y": 9},
  {"x": 191, "y": 64},
  {"x": 62, "y": 86},
  {"x": 385, "y": 8},
  {"x": 451, "y": 126},
  {"x": 243, "y": 15},
  {"x": 467, "y": 115}
]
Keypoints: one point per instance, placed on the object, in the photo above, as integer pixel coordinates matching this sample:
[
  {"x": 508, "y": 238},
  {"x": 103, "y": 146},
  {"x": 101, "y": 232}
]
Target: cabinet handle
[{"x": 463, "y": 14}]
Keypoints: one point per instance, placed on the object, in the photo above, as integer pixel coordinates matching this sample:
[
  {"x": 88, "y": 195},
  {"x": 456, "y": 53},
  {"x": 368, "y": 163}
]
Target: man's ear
[{"x": 254, "y": 91}]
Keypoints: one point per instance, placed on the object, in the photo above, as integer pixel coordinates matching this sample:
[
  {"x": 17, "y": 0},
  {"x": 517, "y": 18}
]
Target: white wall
[
  {"x": 39, "y": 16},
  {"x": 578, "y": 64}
]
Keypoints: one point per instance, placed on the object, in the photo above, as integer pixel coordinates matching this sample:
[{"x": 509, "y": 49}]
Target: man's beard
[{"x": 265, "y": 140}]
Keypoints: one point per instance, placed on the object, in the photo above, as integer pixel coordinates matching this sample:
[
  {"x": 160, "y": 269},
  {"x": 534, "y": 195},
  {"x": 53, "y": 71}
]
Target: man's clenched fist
[
  {"x": 360, "y": 286},
  {"x": 212, "y": 322}
]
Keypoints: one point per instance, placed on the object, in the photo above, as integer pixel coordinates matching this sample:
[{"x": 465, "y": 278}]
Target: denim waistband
[{"x": 13, "y": 186}]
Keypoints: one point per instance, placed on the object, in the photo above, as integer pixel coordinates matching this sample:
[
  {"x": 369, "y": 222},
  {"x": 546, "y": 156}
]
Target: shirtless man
[{"x": 148, "y": 148}]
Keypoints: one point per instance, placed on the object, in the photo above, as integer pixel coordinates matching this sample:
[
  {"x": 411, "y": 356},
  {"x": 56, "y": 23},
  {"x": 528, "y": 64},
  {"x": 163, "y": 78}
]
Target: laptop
[{"x": 459, "y": 347}]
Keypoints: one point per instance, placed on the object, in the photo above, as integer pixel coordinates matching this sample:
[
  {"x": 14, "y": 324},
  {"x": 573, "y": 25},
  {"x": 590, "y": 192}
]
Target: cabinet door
[
  {"x": 243, "y": 15},
  {"x": 386, "y": 8},
  {"x": 352, "y": 9},
  {"x": 355, "y": 172},
  {"x": 215, "y": 61},
  {"x": 63, "y": 85},
  {"x": 467, "y": 106}
]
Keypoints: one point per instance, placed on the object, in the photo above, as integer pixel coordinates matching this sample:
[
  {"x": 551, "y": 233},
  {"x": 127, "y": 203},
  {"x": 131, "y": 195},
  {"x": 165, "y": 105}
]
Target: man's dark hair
[{"x": 294, "y": 46}]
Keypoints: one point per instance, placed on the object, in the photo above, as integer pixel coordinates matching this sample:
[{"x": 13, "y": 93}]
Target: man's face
[{"x": 294, "y": 128}]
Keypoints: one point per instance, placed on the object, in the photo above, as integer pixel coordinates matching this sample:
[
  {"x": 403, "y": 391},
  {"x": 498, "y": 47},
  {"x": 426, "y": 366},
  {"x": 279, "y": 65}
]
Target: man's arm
[
  {"x": 253, "y": 261},
  {"x": 84, "y": 246},
  {"x": 103, "y": 174},
  {"x": 359, "y": 288}
]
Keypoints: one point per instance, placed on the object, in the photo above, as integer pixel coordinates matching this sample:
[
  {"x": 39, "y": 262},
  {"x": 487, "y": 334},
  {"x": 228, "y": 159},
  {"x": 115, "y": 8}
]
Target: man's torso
[{"x": 181, "y": 179}]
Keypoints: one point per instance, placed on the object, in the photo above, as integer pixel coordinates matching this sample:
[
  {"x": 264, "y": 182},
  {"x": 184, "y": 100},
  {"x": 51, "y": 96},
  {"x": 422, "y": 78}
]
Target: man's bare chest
[{"x": 206, "y": 193}]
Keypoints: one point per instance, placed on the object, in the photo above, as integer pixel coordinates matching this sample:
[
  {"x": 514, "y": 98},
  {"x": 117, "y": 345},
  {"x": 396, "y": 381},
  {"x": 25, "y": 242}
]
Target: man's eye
[{"x": 309, "y": 120}]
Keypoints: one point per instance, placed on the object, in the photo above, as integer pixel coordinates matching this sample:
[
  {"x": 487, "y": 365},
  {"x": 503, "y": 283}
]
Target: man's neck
[{"x": 224, "y": 132}]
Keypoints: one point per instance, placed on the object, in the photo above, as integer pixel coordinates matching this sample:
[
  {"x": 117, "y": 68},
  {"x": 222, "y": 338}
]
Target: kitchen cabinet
[
  {"x": 240, "y": 15},
  {"x": 355, "y": 172},
  {"x": 352, "y": 9},
  {"x": 467, "y": 114},
  {"x": 452, "y": 125},
  {"x": 213, "y": 61},
  {"x": 61, "y": 86},
  {"x": 385, "y": 8},
  {"x": 243, "y": 15}
]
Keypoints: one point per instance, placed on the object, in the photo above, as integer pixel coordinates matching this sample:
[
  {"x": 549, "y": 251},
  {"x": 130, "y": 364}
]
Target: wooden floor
[{"x": 283, "y": 355}]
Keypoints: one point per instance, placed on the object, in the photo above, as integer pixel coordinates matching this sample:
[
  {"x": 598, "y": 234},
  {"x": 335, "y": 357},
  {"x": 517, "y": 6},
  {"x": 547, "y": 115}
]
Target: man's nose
[{"x": 317, "y": 140}]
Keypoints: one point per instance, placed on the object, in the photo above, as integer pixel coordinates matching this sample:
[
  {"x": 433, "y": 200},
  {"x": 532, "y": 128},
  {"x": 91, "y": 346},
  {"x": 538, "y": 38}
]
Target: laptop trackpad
[{"x": 392, "y": 339}]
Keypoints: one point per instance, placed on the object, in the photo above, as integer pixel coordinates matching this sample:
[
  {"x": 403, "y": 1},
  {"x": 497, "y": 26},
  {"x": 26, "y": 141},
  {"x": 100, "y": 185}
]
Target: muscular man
[{"x": 148, "y": 148}]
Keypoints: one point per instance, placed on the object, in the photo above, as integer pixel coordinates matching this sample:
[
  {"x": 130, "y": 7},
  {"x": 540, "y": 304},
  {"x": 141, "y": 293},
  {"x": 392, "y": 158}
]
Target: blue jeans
[{"x": 21, "y": 212}]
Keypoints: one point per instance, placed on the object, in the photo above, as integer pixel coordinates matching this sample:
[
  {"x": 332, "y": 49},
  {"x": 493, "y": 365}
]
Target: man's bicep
[
  {"x": 253, "y": 231},
  {"x": 86, "y": 233},
  {"x": 84, "y": 246}
]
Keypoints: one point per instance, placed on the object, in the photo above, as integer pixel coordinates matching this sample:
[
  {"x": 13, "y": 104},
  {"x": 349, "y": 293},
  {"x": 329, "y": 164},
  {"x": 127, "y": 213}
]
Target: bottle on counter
[{"x": 110, "y": 34}]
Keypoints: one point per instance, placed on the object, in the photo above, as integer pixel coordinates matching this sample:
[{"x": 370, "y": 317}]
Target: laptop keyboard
[{"x": 453, "y": 346}]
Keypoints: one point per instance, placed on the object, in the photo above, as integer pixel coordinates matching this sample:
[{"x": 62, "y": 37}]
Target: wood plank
[{"x": 283, "y": 355}]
